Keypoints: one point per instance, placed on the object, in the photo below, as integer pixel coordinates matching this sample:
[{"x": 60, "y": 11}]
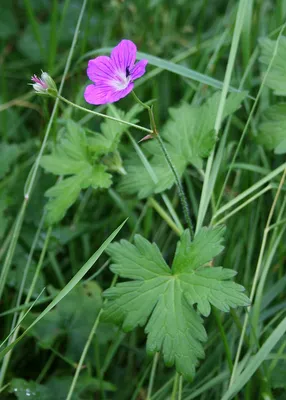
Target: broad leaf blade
[{"x": 166, "y": 297}]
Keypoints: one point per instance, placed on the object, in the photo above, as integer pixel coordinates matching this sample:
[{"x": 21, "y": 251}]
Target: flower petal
[
  {"x": 96, "y": 94},
  {"x": 117, "y": 95},
  {"x": 138, "y": 70},
  {"x": 101, "y": 69},
  {"x": 124, "y": 55}
]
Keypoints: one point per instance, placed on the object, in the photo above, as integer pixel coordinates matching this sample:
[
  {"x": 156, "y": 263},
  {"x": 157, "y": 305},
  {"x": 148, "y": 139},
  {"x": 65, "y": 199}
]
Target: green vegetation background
[{"x": 36, "y": 35}]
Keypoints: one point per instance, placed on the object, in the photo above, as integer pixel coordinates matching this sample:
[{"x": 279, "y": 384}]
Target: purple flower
[{"x": 113, "y": 76}]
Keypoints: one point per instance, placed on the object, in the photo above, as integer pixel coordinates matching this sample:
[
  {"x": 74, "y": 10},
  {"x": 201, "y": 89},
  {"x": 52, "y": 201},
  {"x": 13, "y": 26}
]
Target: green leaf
[
  {"x": 281, "y": 148},
  {"x": 272, "y": 130},
  {"x": 111, "y": 131},
  {"x": 62, "y": 196},
  {"x": 66, "y": 320},
  {"x": 25, "y": 389},
  {"x": 72, "y": 156},
  {"x": 277, "y": 377},
  {"x": 4, "y": 219},
  {"x": 57, "y": 388},
  {"x": 166, "y": 297},
  {"x": 189, "y": 137},
  {"x": 276, "y": 78},
  {"x": 98, "y": 178},
  {"x": 8, "y": 155}
]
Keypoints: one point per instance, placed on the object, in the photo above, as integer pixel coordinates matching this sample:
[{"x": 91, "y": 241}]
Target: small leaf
[
  {"x": 72, "y": 156},
  {"x": 272, "y": 130},
  {"x": 281, "y": 148},
  {"x": 98, "y": 178},
  {"x": 8, "y": 155},
  {"x": 166, "y": 297},
  {"x": 62, "y": 196},
  {"x": 276, "y": 78},
  {"x": 28, "y": 389}
]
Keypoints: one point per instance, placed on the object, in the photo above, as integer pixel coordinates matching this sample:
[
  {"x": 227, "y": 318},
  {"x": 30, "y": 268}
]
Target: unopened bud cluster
[{"x": 44, "y": 85}]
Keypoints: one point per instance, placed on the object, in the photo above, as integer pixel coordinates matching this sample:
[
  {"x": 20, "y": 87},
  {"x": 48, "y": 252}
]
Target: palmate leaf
[
  {"x": 164, "y": 298},
  {"x": 84, "y": 156},
  {"x": 189, "y": 137}
]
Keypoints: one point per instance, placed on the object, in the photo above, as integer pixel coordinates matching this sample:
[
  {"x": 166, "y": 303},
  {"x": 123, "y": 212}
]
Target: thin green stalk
[
  {"x": 32, "y": 176},
  {"x": 25, "y": 306},
  {"x": 175, "y": 387},
  {"x": 12, "y": 247},
  {"x": 182, "y": 195},
  {"x": 86, "y": 347},
  {"x": 148, "y": 166},
  {"x": 152, "y": 375},
  {"x": 207, "y": 191},
  {"x": 156, "y": 135},
  {"x": 250, "y": 200},
  {"x": 6, "y": 242},
  {"x": 28, "y": 298},
  {"x": 47, "y": 366},
  {"x": 56, "y": 268},
  {"x": 140, "y": 383},
  {"x": 224, "y": 338},
  {"x": 249, "y": 119},
  {"x": 141, "y": 128},
  {"x": 164, "y": 215},
  {"x": 172, "y": 211},
  {"x": 83, "y": 355},
  {"x": 250, "y": 190},
  {"x": 29, "y": 260},
  {"x": 180, "y": 391},
  {"x": 39, "y": 266},
  {"x": 256, "y": 277},
  {"x": 111, "y": 351}
]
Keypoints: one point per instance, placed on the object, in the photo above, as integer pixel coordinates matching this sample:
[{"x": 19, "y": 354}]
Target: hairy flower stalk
[{"x": 155, "y": 134}]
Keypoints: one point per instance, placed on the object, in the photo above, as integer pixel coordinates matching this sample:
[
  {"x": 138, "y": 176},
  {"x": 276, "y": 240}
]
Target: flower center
[{"x": 122, "y": 80}]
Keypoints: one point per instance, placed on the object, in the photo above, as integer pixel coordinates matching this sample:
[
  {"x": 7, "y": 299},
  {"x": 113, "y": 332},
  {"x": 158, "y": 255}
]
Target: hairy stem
[
  {"x": 155, "y": 134},
  {"x": 121, "y": 121}
]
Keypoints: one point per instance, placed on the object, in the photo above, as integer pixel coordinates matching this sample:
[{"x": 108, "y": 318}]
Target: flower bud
[{"x": 44, "y": 85}]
